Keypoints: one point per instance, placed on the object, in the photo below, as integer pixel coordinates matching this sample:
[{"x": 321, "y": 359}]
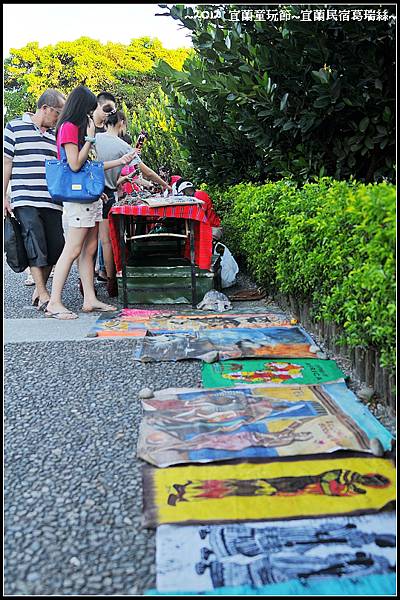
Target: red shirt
[
  {"x": 212, "y": 216},
  {"x": 67, "y": 134},
  {"x": 129, "y": 186}
]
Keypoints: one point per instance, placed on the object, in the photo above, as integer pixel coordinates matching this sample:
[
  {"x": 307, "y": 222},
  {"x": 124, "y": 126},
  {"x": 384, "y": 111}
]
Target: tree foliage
[
  {"x": 273, "y": 99},
  {"x": 125, "y": 70},
  {"x": 333, "y": 242},
  {"x": 162, "y": 147}
]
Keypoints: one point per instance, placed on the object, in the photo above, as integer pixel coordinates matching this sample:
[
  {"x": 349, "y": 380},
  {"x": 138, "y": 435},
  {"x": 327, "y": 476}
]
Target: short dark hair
[
  {"x": 104, "y": 96},
  {"x": 50, "y": 97}
]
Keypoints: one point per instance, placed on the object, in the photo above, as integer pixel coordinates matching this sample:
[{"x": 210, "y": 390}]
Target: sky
[{"x": 52, "y": 23}]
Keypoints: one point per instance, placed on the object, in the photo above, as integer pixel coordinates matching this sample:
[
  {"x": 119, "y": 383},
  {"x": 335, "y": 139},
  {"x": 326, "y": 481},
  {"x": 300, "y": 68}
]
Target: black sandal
[{"x": 42, "y": 307}]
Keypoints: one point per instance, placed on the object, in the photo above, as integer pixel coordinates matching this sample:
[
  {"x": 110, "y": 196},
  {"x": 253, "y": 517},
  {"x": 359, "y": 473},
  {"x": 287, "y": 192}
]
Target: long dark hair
[{"x": 80, "y": 102}]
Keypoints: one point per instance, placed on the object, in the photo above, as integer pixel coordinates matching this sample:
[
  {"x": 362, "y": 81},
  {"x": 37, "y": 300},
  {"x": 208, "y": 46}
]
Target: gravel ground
[
  {"x": 72, "y": 480},
  {"x": 18, "y": 297},
  {"x": 73, "y": 483}
]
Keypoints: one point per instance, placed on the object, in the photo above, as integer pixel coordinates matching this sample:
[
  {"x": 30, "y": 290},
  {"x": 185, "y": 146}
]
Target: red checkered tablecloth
[{"x": 202, "y": 228}]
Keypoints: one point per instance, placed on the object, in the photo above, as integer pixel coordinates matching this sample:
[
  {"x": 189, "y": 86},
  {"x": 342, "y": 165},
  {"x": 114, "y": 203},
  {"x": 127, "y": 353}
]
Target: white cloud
[{"x": 49, "y": 24}]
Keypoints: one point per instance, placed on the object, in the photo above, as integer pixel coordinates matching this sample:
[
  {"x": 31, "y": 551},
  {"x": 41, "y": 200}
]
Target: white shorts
[{"x": 78, "y": 214}]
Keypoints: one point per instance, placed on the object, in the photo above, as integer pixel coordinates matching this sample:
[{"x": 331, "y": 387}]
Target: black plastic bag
[{"x": 14, "y": 245}]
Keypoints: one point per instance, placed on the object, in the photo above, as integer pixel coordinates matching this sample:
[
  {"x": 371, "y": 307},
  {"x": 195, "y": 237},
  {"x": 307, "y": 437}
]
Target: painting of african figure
[
  {"x": 198, "y": 425},
  {"x": 267, "y": 490}
]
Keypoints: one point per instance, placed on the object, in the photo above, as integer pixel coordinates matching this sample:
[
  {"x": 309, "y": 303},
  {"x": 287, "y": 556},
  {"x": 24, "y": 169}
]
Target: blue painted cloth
[
  {"x": 349, "y": 404},
  {"x": 372, "y": 585}
]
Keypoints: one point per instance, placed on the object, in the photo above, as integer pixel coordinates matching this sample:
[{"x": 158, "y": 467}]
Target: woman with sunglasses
[{"x": 75, "y": 131}]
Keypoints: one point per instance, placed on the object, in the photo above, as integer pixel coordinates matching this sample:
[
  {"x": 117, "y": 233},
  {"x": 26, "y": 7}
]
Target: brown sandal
[{"x": 252, "y": 294}]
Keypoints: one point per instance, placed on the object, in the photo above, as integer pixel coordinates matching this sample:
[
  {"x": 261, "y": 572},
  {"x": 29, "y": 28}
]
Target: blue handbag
[{"x": 66, "y": 185}]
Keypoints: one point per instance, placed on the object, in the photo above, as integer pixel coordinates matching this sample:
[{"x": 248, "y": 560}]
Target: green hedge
[{"x": 330, "y": 241}]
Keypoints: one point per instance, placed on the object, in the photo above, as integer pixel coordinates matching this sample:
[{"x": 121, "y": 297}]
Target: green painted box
[{"x": 169, "y": 283}]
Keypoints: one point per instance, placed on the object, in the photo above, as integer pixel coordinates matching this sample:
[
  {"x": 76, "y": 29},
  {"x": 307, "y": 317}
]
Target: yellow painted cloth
[{"x": 263, "y": 491}]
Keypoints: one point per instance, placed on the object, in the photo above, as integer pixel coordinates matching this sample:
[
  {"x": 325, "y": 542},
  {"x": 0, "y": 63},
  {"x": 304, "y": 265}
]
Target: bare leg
[
  {"x": 29, "y": 279},
  {"x": 104, "y": 233},
  {"x": 40, "y": 276},
  {"x": 73, "y": 245},
  {"x": 86, "y": 271}
]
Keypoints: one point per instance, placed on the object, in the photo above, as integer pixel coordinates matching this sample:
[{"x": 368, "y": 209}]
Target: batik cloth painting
[
  {"x": 126, "y": 322},
  {"x": 197, "y": 425},
  {"x": 271, "y": 342},
  {"x": 229, "y": 373},
  {"x": 369, "y": 585},
  {"x": 191, "y": 322},
  {"x": 275, "y": 490},
  {"x": 305, "y": 551}
]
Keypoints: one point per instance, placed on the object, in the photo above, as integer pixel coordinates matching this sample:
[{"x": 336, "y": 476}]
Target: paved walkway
[{"x": 48, "y": 330}]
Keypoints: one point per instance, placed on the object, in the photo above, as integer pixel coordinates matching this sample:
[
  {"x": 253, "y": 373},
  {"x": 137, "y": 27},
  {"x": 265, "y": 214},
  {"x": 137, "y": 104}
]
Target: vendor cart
[{"x": 163, "y": 254}]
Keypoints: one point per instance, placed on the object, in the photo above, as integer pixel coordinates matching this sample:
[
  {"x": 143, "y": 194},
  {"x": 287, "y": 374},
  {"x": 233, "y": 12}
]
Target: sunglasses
[{"x": 109, "y": 110}]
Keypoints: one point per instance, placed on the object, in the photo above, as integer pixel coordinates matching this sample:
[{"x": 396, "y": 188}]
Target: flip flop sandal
[
  {"x": 57, "y": 315},
  {"x": 42, "y": 307},
  {"x": 35, "y": 302},
  {"x": 85, "y": 310}
]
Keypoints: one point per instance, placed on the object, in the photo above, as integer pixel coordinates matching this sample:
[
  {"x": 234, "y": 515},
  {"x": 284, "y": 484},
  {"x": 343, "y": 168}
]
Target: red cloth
[
  {"x": 202, "y": 228},
  {"x": 128, "y": 186},
  {"x": 212, "y": 216},
  {"x": 174, "y": 178}
]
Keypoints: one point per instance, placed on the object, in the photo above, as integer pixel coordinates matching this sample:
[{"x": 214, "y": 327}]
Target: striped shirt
[{"x": 28, "y": 148}]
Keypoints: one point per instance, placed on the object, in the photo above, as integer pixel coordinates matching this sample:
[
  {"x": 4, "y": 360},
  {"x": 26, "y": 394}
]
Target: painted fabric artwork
[
  {"x": 172, "y": 347},
  {"x": 284, "y": 342},
  {"x": 274, "y": 490},
  {"x": 205, "y": 558},
  {"x": 196, "y": 425},
  {"x": 126, "y": 321},
  {"x": 192, "y": 323},
  {"x": 369, "y": 585},
  {"x": 300, "y": 371},
  {"x": 139, "y": 313},
  {"x": 116, "y": 327},
  {"x": 272, "y": 312},
  {"x": 281, "y": 342}
]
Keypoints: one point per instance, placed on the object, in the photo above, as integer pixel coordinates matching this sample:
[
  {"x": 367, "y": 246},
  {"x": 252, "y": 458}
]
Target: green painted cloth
[{"x": 291, "y": 371}]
